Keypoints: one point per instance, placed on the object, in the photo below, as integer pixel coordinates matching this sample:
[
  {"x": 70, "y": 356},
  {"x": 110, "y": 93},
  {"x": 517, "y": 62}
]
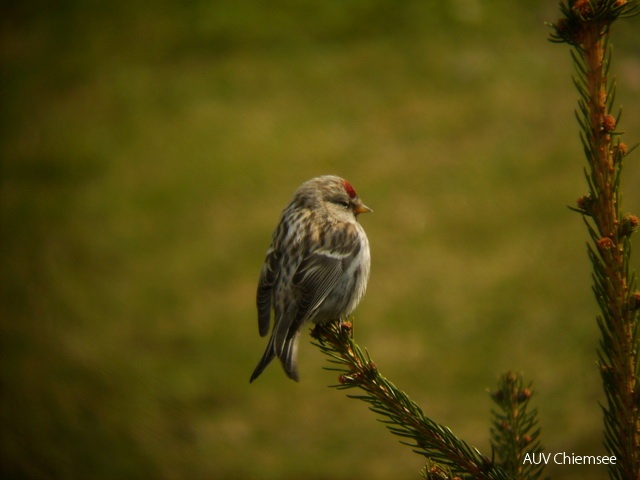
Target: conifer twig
[
  {"x": 401, "y": 415},
  {"x": 585, "y": 26},
  {"x": 515, "y": 432}
]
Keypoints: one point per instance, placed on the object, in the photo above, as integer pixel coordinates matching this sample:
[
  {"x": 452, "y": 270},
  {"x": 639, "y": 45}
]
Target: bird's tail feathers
[
  {"x": 286, "y": 350},
  {"x": 268, "y": 355},
  {"x": 289, "y": 356}
]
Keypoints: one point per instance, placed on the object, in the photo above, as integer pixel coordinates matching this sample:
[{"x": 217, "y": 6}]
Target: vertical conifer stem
[
  {"x": 585, "y": 26},
  {"x": 618, "y": 354}
]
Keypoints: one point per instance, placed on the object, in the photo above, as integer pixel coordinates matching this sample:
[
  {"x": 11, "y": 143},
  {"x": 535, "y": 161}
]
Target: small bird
[{"x": 316, "y": 269}]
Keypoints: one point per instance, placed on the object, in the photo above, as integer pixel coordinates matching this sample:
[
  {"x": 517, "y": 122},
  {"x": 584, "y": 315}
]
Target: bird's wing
[
  {"x": 268, "y": 277},
  {"x": 316, "y": 276}
]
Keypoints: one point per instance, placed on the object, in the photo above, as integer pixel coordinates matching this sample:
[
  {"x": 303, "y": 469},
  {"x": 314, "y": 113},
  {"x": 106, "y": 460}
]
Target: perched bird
[{"x": 316, "y": 269}]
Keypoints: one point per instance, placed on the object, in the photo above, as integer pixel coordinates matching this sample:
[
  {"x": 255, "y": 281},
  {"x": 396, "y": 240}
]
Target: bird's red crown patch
[{"x": 350, "y": 190}]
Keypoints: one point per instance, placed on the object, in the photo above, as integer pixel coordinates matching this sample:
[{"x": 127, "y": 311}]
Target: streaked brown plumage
[{"x": 316, "y": 269}]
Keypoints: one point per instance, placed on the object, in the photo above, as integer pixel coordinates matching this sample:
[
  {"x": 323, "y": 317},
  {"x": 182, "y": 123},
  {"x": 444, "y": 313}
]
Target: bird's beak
[{"x": 361, "y": 208}]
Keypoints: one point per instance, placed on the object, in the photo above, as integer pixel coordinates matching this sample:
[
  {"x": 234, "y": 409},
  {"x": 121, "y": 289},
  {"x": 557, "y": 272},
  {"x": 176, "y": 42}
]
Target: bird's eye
[{"x": 343, "y": 204}]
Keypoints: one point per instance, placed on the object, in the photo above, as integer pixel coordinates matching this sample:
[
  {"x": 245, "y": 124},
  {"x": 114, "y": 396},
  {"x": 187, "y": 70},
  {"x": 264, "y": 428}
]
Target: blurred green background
[{"x": 147, "y": 151}]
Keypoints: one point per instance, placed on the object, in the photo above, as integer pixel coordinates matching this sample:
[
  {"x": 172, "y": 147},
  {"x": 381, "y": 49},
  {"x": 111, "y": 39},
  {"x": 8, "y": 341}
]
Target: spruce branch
[
  {"x": 585, "y": 25},
  {"x": 434, "y": 471},
  {"x": 515, "y": 432},
  {"x": 448, "y": 456}
]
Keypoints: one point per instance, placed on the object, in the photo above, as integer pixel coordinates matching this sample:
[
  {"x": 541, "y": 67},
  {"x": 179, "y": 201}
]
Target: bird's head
[{"x": 336, "y": 195}]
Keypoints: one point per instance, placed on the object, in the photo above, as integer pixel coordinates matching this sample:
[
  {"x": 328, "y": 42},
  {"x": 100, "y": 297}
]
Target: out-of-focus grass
[{"x": 146, "y": 154}]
